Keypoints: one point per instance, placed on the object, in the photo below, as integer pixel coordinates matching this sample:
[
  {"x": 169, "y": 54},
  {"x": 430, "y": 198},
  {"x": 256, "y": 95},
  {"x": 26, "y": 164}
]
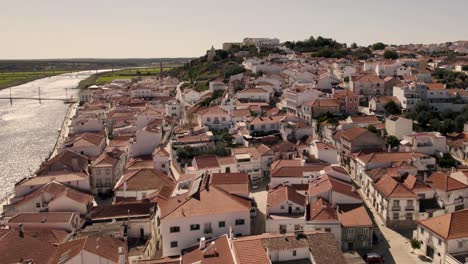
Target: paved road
[
  {"x": 395, "y": 248},
  {"x": 260, "y": 197}
]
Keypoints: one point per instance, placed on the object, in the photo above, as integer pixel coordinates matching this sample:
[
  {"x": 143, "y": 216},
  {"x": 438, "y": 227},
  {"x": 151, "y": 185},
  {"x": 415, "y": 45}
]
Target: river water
[{"x": 28, "y": 130}]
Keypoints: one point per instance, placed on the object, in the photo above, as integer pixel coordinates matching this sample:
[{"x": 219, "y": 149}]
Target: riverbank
[
  {"x": 65, "y": 130},
  {"x": 11, "y": 79}
]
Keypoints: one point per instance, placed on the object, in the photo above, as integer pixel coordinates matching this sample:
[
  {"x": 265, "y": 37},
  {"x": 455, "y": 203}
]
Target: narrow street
[{"x": 394, "y": 247}]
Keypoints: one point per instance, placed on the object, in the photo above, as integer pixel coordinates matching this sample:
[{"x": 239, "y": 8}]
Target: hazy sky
[{"x": 187, "y": 28}]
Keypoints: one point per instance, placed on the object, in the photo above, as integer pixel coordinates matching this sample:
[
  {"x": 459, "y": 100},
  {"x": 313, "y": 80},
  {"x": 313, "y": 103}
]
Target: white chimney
[
  {"x": 353, "y": 189},
  {"x": 125, "y": 189},
  {"x": 121, "y": 255},
  {"x": 202, "y": 243}
]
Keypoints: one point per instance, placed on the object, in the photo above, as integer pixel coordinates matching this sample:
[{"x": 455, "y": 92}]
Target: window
[
  {"x": 173, "y": 244},
  {"x": 460, "y": 244},
  {"x": 422, "y": 230},
  {"x": 221, "y": 224},
  {"x": 163, "y": 165},
  {"x": 272, "y": 126},
  {"x": 294, "y": 253},
  {"x": 194, "y": 227},
  {"x": 174, "y": 229},
  {"x": 240, "y": 221},
  {"x": 439, "y": 241},
  {"x": 224, "y": 119},
  {"x": 282, "y": 206},
  {"x": 297, "y": 227},
  {"x": 350, "y": 233},
  {"x": 396, "y": 216},
  {"x": 297, "y": 208},
  {"x": 143, "y": 195},
  {"x": 328, "y": 230},
  {"x": 263, "y": 126},
  {"x": 208, "y": 119},
  {"x": 317, "y": 229},
  {"x": 409, "y": 216},
  {"x": 38, "y": 205}
]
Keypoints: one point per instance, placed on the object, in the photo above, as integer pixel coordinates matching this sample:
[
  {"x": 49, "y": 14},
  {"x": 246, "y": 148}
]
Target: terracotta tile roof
[
  {"x": 105, "y": 247},
  {"x": 355, "y": 133},
  {"x": 284, "y": 146},
  {"x": 441, "y": 181},
  {"x": 161, "y": 151},
  {"x": 449, "y": 226},
  {"x": 209, "y": 201},
  {"x": 286, "y": 170},
  {"x": 284, "y": 194},
  {"x": 326, "y": 184},
  {"x": 246, "y": 150},
  {"x": 365, "y": 119},
  {"x": 367, "y": 78},
  {"x": 213, "y": 111},
  {"x": 250, "y": 251},
  {"x": 94, "y": 138},
  {"x": 390, "y": 157},
  {"x": 64, "y": 158},
  {"x": 216, "y": 251},
  {"x": 253, "y": 90},
  {"x": 144, "y": 179},
  {"x": 49, "y": 217},
  {"x": 206, "y": 162},
  {"x": 106, "y": 160},
  {"x": 435, "y": 86},
  {"x": 391, "y": 188},
  {"x": 122, "y": 210},
  {"x": 354, "y": 216},
  {"x": 271, "y": 119},
  {"x": 344, "y": 93},
  {"x": 322, "y": 246},
  {"x": 231, "y": 182},
  {"x": 13, "y": 248},
  {"x": 321, "y": 210}
]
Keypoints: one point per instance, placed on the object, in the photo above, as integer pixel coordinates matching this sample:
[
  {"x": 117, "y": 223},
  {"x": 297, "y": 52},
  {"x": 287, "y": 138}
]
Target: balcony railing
[
  {"x": 396, "y": 208},
  {"x": 409, "y": 208}
]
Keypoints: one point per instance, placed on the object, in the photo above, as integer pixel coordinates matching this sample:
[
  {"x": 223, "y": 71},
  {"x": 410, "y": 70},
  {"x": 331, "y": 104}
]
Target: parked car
[{"x": 373, "y": 258}]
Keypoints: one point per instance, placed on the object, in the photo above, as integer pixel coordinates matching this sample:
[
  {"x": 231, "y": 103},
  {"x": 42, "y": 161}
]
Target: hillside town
[{"x": 286, "y": 157}]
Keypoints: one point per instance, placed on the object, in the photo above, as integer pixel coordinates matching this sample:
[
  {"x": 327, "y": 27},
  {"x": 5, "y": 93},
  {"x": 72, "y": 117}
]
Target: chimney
[
  {"x": 21, "y": 230},
  {"x": 453, "y": 169},
  {"x": 121, "y": 255},
  {"x": 353, "y": 189},
  {"x": 202, "y": 243},
  {"x": 425, "y": 177},
  {"x": 125, "y": 188}
]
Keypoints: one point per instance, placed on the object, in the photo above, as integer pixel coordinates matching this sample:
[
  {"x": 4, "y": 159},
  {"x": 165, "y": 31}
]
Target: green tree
[
  {"x": 435, "y": 124},
  {"x": 459, "y": 123},
  {"x": 372, "y": 129},
  {"x": 423, "y": 118},
  {"x": 378, "y": 46},
  {"x": 415, "y": 244},
  {"x": 447, "y": 161},
  {"x": 392, "y": 108},
  {"x": 392, "y": 141},
  {"x": 390, "y": 55},
  {"x": 354, "y": 45}
]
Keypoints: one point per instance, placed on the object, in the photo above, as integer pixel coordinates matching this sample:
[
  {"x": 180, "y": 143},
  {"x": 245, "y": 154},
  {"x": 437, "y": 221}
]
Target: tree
[
  {"x": 392, "y": 141},
  {"x": 390, "y": 55},
  {"x": 415, "y": 244},
  {"x": 447, "y": 161},
  {"x": 423, "y": 118},
  {"x": 459, "y": 123},
  {"x": 354, "y": 45},
  {"x": 435, "y": 124},
  {"x": 392, "y": 108},
  {"x": 372, "y": 129},
  {"x": 378, "y": 46}
]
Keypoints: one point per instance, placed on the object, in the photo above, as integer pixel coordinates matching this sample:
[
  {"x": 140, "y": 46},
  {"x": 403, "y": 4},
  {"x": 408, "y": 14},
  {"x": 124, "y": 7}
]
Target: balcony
[
  {"x": 396, "y": 208},
  {"x": 409, "y": 208}
]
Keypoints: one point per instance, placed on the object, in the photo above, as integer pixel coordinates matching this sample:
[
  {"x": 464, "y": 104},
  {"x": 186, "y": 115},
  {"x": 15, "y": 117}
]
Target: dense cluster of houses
[{"x": 288, "y": 184}]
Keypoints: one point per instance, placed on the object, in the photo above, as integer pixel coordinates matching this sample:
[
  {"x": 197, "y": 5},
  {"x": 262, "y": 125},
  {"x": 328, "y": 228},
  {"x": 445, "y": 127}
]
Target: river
[{"x": 28, "y": 130}]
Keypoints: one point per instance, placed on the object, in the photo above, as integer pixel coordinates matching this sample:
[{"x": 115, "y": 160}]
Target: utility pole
[
  {"x": 66, "y": 93},
  {"x": 39, "y": 92},
  {"x": 11, "y": 99}
]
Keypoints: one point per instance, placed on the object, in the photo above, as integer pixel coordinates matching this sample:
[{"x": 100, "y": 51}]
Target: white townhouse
[{"x": 204, "y": 211}]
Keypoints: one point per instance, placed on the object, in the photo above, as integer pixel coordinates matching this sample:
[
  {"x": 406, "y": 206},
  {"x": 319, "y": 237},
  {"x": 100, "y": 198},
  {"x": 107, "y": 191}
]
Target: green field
[
  {"x": 8, "y": 79},
  {"x": 107, "y": 77}
]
